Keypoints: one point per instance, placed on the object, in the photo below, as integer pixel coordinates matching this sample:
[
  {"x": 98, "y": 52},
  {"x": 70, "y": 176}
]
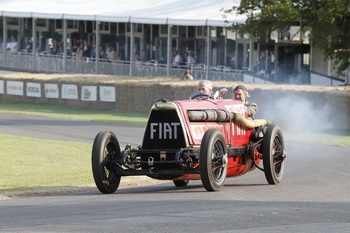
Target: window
[
  {"x": 41, "y": 22},
  {"x": 201, "y": 31},
  {"x": 164, "y": 30},
  {"x": 59, "y": 24},
  {"x": 138, "y": 27},
  {"x": 12, "y": 21},
  {"x": 72, "y": 24}
]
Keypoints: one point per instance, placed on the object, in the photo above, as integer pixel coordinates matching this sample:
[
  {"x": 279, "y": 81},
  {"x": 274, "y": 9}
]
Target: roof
[{"x": 173, "y": 12}]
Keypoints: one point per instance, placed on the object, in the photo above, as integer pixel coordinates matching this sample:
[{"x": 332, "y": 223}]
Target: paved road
[
  {"x": 313, "y": 197},
  {"x": 65, "y": 130}
]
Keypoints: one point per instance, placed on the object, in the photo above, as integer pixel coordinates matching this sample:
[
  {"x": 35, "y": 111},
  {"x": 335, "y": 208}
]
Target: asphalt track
[
  {"x": 65, "y": 130},
  {"x": 314, "y": 195}
]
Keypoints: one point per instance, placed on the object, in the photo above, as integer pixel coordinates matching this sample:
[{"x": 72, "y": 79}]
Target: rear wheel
[
  {"x": 274, "y": 154},
  {"x": 181, "y": 183},
  {"x": 213, "y": 160},
  {"x": 105, "y": 152}
]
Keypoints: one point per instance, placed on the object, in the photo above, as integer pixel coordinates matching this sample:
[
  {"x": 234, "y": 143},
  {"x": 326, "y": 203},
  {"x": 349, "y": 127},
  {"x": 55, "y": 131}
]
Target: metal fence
[{"x": 57, "y": 64}]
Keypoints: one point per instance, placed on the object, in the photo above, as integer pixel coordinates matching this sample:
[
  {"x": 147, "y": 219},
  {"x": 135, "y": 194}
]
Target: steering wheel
[{"x": 200, "y": 96}]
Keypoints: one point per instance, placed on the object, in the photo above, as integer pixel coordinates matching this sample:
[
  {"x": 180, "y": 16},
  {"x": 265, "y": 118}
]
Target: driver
[
  {"x": 240, "y": 93},
  {"x": 205, "y": 87}
]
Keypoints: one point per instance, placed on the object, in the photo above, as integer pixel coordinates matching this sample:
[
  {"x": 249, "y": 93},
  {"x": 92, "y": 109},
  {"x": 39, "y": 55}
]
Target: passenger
[
  {"x": 205, "y": 87},
  {"x": 240, "y": 93}
]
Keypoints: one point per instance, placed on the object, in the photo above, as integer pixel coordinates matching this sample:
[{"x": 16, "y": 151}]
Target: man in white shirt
[{"x": 177, "y": 59}]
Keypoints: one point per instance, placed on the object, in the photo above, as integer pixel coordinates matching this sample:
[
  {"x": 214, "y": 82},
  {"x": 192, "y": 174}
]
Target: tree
[{"x": 328, "y": 22}]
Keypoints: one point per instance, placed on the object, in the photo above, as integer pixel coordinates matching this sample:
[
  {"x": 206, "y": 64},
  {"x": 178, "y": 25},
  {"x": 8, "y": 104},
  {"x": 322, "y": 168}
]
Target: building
[{"x": 143, "y": 37}]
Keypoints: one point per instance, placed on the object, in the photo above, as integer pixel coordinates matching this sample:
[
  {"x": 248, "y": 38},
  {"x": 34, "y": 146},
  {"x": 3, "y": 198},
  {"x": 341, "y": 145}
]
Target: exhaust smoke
[{"x": 297, "y": 114}]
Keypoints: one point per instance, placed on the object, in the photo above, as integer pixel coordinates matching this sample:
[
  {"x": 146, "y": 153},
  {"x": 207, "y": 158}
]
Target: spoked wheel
[
  {"x": 213, "y": 160},
  {"x": 181, "y": 183},
  {"x": 105, "y": 152},
  {"x": 274, "y": 154}
]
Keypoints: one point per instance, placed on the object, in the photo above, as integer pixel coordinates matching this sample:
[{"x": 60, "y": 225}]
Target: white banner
[
  {"x": 107, "y": 94},
  {"x": 69, "y": 91},
  {"x": 88, "y": 93},
  {"x": 1, "y": 86},
  {"x": 33, "y": 89},
  {"x": 51, "y": 90},
  {"x": 14, "y": 88}
]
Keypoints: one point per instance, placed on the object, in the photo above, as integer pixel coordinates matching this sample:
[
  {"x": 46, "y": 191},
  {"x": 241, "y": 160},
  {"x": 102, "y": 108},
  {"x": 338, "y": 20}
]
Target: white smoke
[{"x": 299, "y": 115}]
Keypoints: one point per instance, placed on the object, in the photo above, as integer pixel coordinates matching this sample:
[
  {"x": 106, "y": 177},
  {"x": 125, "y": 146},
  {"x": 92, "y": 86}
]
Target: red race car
[{"x": 205, "y": 138}]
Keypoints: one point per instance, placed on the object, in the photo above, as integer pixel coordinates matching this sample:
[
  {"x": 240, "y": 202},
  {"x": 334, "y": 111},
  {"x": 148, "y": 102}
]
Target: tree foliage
[{"x": 328, "y": 22}]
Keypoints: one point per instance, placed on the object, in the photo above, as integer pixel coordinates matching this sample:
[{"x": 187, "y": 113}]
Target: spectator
[
  {"x": 184, "y": 59},
  {"x": 177, "y": 58},
  {"x": 136, "y": 55},
  {"x": 12, "y": 45},
  {"x": 271, "y": 64},
  {"x": 113, "y": 56},
  {"x": 86, "y": 50},
  {"x": 80, "y": 50},
  {"x": 107, "y": 49},
  {"x": 190, "y": 58},
  {"x": 186, "y": 75},
  {"x": 346, "y": 73},
  {"x": 103, "y": 54},
  {"x": 93, "y": 52},
  {"x": 240, "y": 93}
]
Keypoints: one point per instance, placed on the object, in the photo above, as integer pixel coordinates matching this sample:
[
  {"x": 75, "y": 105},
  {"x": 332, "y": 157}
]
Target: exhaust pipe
[
  {"x": 248, "y": 123},
  {"x": 220, "y": 115}
]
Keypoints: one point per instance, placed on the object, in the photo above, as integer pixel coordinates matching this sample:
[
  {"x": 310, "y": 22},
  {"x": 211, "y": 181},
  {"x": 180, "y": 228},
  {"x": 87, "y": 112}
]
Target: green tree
[{"x": 328, "y": 22}]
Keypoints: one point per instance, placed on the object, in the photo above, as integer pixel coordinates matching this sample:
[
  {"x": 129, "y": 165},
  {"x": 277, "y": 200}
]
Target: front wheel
[
  {"x": 213, "y": 160},
  {"x": 274, "y": 154},
  {"x": 105, "y": 152}
]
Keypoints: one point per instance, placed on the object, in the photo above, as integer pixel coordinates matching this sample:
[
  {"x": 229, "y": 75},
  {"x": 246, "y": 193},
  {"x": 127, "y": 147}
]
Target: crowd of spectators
[
  {"x": 186, "y": 59},
  {"x": 81, "y": 49},
  {"x": 11, "y": 45}
]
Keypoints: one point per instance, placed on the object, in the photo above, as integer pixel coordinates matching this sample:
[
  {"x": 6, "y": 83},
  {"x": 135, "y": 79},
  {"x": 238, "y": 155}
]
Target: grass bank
[
  {"x": 29, "y": 165},
  {"x": 33, "y": 167}
]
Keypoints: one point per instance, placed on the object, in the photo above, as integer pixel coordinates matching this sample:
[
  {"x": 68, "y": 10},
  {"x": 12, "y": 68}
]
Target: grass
[
  {"x": 337, "y": 138},
  {"x": 33, "y": 166},
  {"x": 59, "y": 111},
  {"x": 29, "y": 165}
]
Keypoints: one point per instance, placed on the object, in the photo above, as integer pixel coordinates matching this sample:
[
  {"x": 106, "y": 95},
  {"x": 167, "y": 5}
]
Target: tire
[
  {"x": 105, "y": 152},
  {"x": 273, "y": 154},
  {"x": 213, "y": 160},
  {"x": 181, "y": 183}
]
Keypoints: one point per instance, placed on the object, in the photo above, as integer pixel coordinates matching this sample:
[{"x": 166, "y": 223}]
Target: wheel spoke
[
  {"x": 109, "y": 159},
  {"x": 217, "y": 163},
  {"x": 277, "y": 154},
  {"x": 213, "y": 161}
]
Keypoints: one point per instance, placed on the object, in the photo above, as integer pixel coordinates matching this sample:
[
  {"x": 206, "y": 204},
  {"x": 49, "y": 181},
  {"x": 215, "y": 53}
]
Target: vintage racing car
[{"x": 206, "y": 138}]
